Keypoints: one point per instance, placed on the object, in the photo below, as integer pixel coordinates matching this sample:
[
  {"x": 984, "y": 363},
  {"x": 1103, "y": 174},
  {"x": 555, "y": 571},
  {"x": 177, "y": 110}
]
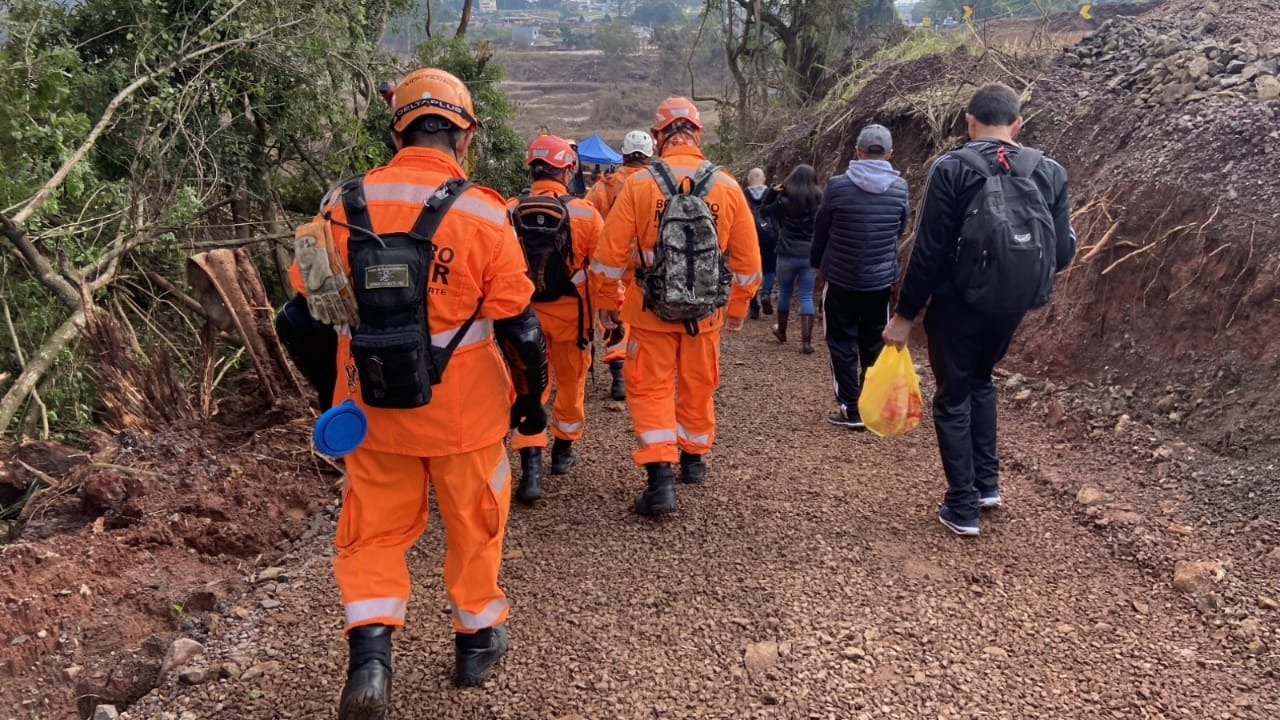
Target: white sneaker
[{"x": 992, "y": 500}]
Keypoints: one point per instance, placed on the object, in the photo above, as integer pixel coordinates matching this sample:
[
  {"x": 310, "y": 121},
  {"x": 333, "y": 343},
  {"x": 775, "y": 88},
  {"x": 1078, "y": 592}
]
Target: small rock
[
  {"x": 1023, "y": 395},
  {"x": 995, "y": 651},
  {"x": 194, "y": 676},
  {"x": 240, "y": 613},
  {"x": 1167, "y": 404},
  {"x": 269, "y": 667},
  {"x": 228, "y": 670},
  {"x": 1197, "y": 577},
  {"x": 1066, "y": 628},
  {"x": 1141, "y": 607},
  {"x": 1267, "y": 86},
  {"x": 854, "y": 653},
  {"x": 1015, "y": 381},
  {"x": 105, "y": 712},
  {"x": 760, "y": 656},
  {"x": 769, "y": 699},
  {"x": 272, "y": 573},
  {"x": 1090, "y": 495},
  {"x": 269, "y": 604},
  {"x": 73, "y": 672},
  {"x": 1056, "y": 414},
  {"x": 180, "y": 653},
  {"x": 1268, "y": 603}
]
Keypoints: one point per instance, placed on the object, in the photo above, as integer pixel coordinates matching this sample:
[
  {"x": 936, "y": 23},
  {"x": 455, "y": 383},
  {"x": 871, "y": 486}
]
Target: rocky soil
[{"x": 1130, "y": 575}]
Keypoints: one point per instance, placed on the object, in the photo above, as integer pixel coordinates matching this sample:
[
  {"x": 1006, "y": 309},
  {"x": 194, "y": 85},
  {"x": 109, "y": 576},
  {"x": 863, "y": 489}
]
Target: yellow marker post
[
  {"x": 968, "y": 13},
  {"x": 1084, "y": 11},
  {"x": 926, "y": 22}
]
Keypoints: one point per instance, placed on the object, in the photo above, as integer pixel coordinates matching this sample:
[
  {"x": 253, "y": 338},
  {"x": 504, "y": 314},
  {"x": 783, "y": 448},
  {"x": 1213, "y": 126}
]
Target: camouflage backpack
[{"x": 688, "y": 279}]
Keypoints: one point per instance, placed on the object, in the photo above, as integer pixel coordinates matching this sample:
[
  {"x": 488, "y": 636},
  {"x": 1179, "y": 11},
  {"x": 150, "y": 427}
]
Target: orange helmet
[
  {"x": 673, "y": 109},
  {"x": 429, "y": 91},
  {"x": 551, "y": 150}
]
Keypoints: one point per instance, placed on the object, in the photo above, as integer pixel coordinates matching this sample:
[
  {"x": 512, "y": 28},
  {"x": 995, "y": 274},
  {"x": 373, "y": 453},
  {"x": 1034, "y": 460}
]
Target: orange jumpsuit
[
  {"x": 603, "y": 195},
  {"x": 671, "y": 376},
  {"x": 560, "y": 325},
  {"x": 456, "y": 441}
]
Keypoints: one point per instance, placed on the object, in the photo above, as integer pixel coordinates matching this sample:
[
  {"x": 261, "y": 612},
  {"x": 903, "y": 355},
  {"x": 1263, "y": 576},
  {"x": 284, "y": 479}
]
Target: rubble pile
[{"x": 1171, "y": 63}]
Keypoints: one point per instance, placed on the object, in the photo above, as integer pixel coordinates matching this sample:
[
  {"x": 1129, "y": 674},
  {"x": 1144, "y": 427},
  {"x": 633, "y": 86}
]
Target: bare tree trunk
[
  {"x": 428, "y": 28},
  {"x": 465, "y": 21}
]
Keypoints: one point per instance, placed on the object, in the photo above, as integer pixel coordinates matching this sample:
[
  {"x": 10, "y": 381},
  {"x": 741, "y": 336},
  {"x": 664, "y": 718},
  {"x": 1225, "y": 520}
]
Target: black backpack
[
  {"x": 543, "y": 228},
  {"x": 1006, "y": 256},
  {"x": 542, "y": 225}
]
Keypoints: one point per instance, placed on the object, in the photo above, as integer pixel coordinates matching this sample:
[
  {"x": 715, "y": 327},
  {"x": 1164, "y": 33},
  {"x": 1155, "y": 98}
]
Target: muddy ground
[{"x": 807, "y": 579}]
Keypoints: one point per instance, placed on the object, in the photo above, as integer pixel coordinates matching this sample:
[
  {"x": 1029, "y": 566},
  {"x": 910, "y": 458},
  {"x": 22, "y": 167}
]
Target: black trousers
[
  {"x": 964, "y": 346},
  {"x": 853, "y": 321}
]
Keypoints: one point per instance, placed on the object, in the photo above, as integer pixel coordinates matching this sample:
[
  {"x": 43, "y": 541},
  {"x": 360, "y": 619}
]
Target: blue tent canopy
[{"x": 595, "y": 151}]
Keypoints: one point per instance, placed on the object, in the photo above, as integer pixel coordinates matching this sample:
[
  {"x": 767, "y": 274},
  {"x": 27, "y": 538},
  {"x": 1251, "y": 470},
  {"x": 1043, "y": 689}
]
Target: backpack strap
[
  {"x": 666, "y": 181},
  {"x": 424, "y": 228},
  {"x": 703, "y": 178},
  {"x": 355, "y": 207},
  {"x": 973, "y": 159},
  {"x": 584, "y": 304},
  {"x": 1026, "y": 162}
]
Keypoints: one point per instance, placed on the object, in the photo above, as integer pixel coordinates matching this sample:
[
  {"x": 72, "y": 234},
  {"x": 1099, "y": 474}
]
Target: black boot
[
  {"x": 660, "y": 497},
  {"x": 754, "y": 311},
  {"x": 693, "y": 469},
  {"x": 780, "y": 329},
  {"x": 476, "y": 654},
  {"x": 562, "y": 457},
  {"x": 618, "y": 390},
  {"x": 530, "y": 475},
  {"x": 806, "y": 334},
  {"x": 367, "y": 694},
  {"x": 766, "y": 304}
]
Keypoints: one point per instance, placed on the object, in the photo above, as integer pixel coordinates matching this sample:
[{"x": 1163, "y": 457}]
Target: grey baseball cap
[{"x": 875, "y": 139}]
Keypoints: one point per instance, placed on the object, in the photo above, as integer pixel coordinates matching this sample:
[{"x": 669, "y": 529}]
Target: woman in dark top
[{"x": 794, "y": 205}]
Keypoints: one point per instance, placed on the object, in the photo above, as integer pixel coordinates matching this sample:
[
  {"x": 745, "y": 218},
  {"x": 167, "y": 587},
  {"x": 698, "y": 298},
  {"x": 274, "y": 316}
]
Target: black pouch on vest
[{"x": 392, "y": 349}]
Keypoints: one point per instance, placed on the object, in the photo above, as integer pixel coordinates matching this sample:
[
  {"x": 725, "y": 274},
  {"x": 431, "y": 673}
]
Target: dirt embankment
[
  {"x": 141, "y": 537},
  {"x": 1165, "y": 117}
]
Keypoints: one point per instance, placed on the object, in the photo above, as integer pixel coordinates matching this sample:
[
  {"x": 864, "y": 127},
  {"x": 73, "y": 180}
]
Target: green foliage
[
  {"x": 498, "y": 150},
  {"x": 939, "y": 10},
  {"x": 616, "y": 40}
]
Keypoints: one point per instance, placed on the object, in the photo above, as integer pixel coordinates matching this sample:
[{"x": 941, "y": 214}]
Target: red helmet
[
  {"x": 430, "y": 91},
  {"x": 673, "y": 109},
  {"x": 552, "y": 150}
]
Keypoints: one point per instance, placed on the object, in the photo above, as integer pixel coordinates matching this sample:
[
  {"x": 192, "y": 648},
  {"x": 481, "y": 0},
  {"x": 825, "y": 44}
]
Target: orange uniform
[
  {"x": 455, "y": 441},
  {"x": 563, "y": 326},
  {"x": 671, "y": 376},
  {"x": 603, "y": 195}
]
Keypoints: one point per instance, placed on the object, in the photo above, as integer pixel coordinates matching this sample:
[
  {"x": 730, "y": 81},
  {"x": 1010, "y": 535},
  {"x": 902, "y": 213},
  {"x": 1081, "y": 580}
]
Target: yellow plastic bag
[{"x": 890, "y": 403}]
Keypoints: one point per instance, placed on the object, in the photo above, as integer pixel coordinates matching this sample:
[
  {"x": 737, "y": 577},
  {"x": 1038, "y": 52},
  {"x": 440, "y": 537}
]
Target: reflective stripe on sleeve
[
  {"x": 373, "y": 609},
  {"x": 578, "y": 278},
  {"x": 745, "y": 280},
  {"x": 480, "y": 331},
  {"x": 488, "y": 617},
  {"x": 568, "y": 427},
  {"x": 609, "y": 271},
  {"x": 579, "y": 211},
  {"x": 419, "y": 194}
]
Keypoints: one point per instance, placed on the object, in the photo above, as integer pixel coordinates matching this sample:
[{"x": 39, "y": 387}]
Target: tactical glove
[
  {"x": 528, "y": 416},
  {"x": 329, "y": 296}
]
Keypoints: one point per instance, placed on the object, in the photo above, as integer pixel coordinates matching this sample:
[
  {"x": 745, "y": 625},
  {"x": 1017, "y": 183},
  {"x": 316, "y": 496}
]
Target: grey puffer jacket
[{"x": 862, "y": 217}]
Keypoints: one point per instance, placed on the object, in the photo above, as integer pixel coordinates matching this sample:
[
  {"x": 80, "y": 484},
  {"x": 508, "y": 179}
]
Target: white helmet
[{"x": 637, "y": 141}]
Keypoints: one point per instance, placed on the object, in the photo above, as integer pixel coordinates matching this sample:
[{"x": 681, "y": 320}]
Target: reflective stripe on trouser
[
  {"x": 568, "y": 373},
  {"x": 384, "y": 511},
  {"x": 671, "y": 382}
]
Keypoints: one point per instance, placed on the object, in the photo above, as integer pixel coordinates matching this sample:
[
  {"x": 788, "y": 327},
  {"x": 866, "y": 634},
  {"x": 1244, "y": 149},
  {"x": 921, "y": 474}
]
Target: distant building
[
  {"x": 525, "y": 35},
  {"x": 487, "y": 6}
]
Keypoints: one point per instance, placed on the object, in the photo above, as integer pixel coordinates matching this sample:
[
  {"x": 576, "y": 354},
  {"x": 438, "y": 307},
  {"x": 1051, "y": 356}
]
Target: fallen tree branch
[
  {"x": 22, "y": 365},
  {"x": 41, "y": 360}
]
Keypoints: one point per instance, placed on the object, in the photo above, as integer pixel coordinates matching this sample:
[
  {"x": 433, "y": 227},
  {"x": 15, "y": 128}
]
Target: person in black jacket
[
  {"x": 855, "y": 244},
  {"x": 767, "y": 234},
  {"x": 965, "y": 343},
  {"x": 794, "y": 205}
]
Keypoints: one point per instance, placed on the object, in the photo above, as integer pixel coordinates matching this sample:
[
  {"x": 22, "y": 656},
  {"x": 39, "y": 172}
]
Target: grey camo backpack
[{"x": 688, "y": 279}]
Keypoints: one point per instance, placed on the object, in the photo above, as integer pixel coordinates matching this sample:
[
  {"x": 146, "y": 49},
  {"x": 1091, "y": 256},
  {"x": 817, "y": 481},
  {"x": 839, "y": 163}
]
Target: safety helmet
[
  {"x": 637, "y": 141},
  {"x": 552, "y": 150},
  {"x": 673, "y": 109},
  {"x": 430, "y": 91}
]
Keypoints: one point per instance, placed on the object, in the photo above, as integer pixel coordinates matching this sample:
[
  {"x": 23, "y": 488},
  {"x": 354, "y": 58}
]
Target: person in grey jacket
[{"x": 855, "y": 244}]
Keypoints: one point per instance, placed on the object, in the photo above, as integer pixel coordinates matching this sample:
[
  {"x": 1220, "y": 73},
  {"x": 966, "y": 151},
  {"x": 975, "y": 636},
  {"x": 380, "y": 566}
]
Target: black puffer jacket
[
  {"x": 795, "y": 224},
  {"x": 863, "y": 214}
]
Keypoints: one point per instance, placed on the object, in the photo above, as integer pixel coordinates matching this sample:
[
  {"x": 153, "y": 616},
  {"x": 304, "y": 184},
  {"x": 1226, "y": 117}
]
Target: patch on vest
[{"x": 386, "y": 276}]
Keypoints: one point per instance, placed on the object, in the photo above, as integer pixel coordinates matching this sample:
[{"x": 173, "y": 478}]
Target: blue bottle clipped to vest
[{"x": 340, "y": 429}]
